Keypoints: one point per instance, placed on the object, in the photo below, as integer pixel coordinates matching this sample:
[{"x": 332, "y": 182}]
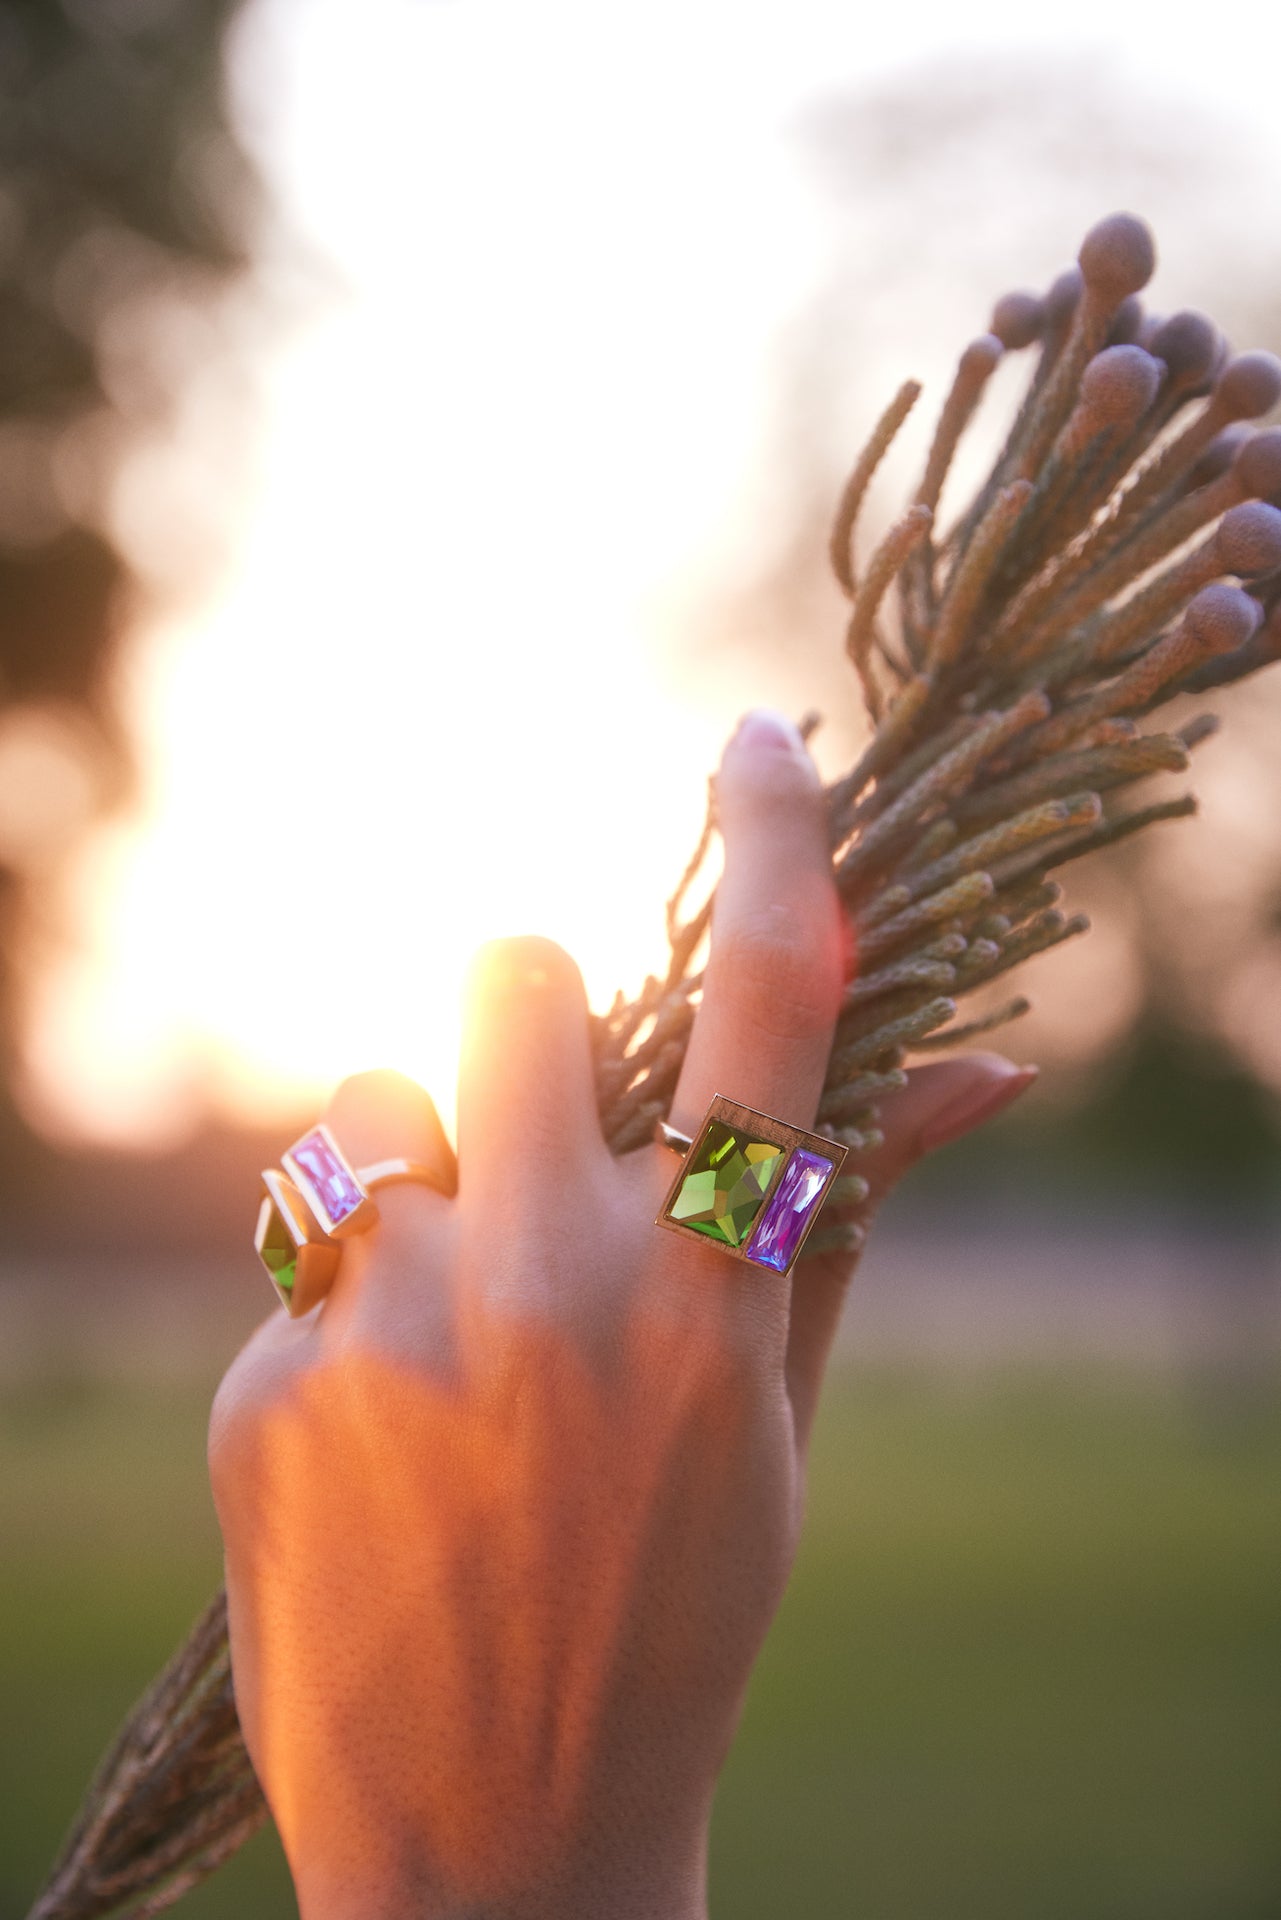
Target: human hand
[{"x": 507, "y": 1517}]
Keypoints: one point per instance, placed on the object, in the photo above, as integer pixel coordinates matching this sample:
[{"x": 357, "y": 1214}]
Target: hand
[{"x": 508, "y": 1516}]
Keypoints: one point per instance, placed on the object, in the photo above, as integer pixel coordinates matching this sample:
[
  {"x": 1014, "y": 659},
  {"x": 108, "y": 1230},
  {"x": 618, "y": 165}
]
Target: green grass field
[{"x": 1029, "y": 1667}]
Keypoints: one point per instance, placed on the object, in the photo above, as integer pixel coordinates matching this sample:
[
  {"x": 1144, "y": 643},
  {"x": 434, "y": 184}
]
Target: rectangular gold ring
[{"x": 752, "y": 1185}]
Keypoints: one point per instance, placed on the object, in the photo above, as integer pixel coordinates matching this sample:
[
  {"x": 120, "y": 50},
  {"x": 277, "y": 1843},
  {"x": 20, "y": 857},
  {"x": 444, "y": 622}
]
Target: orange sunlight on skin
[
  {"x": 495, "y": 1663},
  {"x": 505, "y": 1806}
]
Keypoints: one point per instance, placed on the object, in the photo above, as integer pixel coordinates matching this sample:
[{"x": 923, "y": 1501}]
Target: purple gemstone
[
  {"x": 787, "y": 1212},
  {"x": 328, "y": 1176}
]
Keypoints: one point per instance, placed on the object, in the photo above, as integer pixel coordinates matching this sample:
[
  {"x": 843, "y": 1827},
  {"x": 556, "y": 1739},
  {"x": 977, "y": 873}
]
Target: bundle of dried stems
[{"x": 1096, "y": 574}]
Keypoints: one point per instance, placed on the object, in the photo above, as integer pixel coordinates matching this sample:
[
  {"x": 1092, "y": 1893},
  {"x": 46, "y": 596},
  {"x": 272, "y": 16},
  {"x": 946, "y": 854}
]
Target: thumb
[{"x": 941, "y": 1102}]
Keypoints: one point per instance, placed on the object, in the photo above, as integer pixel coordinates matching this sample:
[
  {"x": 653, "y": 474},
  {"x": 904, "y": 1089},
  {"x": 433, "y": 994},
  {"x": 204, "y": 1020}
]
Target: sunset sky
[{"x": 444, "y": 687}]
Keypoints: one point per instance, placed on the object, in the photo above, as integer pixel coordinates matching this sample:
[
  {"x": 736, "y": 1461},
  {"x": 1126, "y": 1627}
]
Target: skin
[{"x": 508, "y": 1516}]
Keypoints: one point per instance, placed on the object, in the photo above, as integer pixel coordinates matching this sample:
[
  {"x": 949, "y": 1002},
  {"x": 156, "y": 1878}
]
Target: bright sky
[{"x": 438, "y": 695}]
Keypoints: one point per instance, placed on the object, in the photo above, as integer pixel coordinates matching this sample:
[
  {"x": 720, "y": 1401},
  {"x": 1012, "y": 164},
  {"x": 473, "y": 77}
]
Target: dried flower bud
[
  {"x": 1257, "y": 465},
  {"x": 1117, "y": 386},
  {"x": 1189, "y": 345},
  {"x": 1117, "y": 257},
  {"x": 1221, "y": 618},
  {"x": 1249, "y": 385},
  {"x": 1017, "y": 319},
  {"x": 980, "y": 357},
  {"x": 1219, "y": 455},
  {"x": 1249, "y": 539}
]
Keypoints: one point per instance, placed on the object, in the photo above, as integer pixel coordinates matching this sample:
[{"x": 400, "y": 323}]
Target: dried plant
[{"x": 1096, "y": 574}]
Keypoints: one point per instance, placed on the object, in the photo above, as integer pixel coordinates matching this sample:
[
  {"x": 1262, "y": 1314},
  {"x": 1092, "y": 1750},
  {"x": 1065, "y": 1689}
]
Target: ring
[
  {"x": 749, "y": 1182},
  {"x": 319, "y": 1201}
]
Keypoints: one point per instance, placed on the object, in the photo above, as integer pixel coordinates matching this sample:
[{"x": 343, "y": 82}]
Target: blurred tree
[{"x": 125, "y": 197}]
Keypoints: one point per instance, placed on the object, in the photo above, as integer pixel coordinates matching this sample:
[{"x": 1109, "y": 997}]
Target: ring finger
[{"x": 763, "y": 1031}]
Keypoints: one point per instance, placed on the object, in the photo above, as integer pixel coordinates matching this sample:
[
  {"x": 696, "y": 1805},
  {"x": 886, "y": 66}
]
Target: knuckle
[
  {"x": 778, "y": 973},
  {"x": 251, "y": 1386}
]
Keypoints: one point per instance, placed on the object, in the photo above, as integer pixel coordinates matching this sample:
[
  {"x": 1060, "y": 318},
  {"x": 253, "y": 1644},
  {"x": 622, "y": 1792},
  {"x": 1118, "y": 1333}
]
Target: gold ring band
[
  {"x": 669, "y": 1136},
  {"x": 396, "y": 1173}
]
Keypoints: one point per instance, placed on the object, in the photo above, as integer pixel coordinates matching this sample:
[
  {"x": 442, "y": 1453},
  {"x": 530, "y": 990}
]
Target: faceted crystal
[
  {"x": 328, "y": 1176},
  {"x": 726, "y": 1184},
  {"x": 780, "y": 1228},
  {"x": 277, "y": 1251}
]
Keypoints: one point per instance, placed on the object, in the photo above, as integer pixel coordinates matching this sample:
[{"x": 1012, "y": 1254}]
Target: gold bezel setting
[
  {"x": 776, "y": 1226},
  {"x": 316, "y": 1255},
  {"x": 316, "y": 1157}
]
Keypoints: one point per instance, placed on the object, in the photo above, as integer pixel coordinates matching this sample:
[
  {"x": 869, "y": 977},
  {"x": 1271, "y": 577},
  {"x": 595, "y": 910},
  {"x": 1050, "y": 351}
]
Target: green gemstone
[
  {"x": 726, "y": 1185},
  {"x": 277, "y": 1251}
]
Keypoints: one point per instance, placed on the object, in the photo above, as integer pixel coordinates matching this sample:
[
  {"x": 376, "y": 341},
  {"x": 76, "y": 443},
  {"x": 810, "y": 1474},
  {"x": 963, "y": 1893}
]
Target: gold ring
[
  {"x": 316, "y": 1203},
  {"x": 752, "y": 1184},
  {"x": 669, "y": 1136}
]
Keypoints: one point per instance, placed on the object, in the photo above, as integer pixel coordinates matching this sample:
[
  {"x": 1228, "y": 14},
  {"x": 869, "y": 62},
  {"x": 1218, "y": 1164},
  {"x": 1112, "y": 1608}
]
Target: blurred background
[{"x": 419, "y": 425}]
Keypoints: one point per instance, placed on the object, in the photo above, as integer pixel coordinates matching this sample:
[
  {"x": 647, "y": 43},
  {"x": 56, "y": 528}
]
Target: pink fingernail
[
  {"x": 975, "y": 1109},
  {"x": 762, "y": 727}
]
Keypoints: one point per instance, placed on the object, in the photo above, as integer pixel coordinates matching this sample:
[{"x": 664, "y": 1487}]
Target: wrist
[
  {"x": 408, "y": 1899},
  {"x": 603, "y": 1882}
]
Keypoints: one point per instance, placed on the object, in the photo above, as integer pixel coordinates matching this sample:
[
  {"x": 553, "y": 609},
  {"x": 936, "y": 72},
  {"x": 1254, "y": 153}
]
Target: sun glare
[
  {"x": 441, "y": 697},
  {"x": 446, "y": 690}
]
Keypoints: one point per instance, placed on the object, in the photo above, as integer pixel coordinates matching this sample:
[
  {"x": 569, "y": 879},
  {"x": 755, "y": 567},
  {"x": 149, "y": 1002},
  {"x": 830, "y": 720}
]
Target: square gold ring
[{"x": 751, "y": 1184}]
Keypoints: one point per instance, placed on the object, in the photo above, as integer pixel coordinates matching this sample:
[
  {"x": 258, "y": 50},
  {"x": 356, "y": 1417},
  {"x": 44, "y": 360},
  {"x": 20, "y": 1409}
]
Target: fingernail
[
  {"x": 762, "y": 727},
  {"x": 975, "y": 1108}
]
